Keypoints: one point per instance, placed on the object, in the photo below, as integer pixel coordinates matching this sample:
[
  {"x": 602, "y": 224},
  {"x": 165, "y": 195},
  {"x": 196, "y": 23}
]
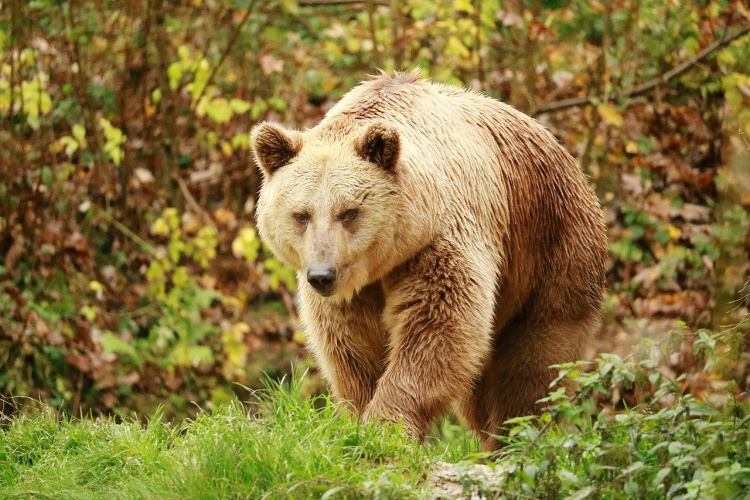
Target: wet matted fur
[{"x": 462, "y": 250}]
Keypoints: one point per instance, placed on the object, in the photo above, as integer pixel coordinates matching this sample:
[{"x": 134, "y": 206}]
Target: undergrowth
[
  {"x": 292, "y": 447},
  {"x": 673, "y": 444}
]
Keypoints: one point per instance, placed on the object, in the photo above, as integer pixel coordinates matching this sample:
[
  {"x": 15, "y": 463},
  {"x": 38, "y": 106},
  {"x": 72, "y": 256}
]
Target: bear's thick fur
[{"x": 448, "y": 250}]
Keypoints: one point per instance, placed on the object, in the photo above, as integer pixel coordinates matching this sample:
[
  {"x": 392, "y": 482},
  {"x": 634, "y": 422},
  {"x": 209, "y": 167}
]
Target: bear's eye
[
  {"x": 302, "y": 217},
  {"x": 349, "y": 215}
]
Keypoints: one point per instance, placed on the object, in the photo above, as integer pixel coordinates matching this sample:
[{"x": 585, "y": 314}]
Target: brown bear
[{"x": 448, "y": 250}]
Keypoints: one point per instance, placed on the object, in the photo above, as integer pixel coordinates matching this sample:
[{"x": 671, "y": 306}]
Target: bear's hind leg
[{"x": 518, "y": 374}]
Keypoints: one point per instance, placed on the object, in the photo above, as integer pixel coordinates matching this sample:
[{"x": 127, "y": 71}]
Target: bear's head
[{"x": 328, "y": 205}]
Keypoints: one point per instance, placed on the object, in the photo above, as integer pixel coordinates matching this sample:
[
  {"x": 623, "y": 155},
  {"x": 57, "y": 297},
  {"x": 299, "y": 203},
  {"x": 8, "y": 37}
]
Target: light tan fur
[{"x": 475, "y": 259}]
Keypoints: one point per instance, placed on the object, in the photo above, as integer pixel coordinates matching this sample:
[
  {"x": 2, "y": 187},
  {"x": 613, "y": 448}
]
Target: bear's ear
[
  {"x": 379, "y": 144},
  {"x": 274, "y": 146}
]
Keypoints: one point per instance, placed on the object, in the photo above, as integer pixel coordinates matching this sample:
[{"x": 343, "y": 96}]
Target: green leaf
[
  {"x": 71, "y": 145},
  {"x": 241, "y": 141},
  {"x": 582, "y": 493},
  {"x": 661, "y": 476},
  {"x": 180, "y": 277},
  {"x": 290, "y": 6},
  {"x": 174, "y": 72},
  {"x": 45, "y": 102},
  {"x": 277, "y": 103},
  {"x": 155, "y": 271},
  {"x": 454, "y": 47},
  {"x": 183, "y": 52},
  {"x": 219, "y": 110},
  {"x": 328, "y": 494},
  {"x": 200, "y": 354},
  {"x": 113, "y": 344},
  {"x": 463, "y": 6},
  {"x": 239, "y": 106},
  {"x": 116, "y": 155},
  {"x": 79, "y": 132},
  {"x": 89, "y": 312},
  {"x": 259, "y": 107}
]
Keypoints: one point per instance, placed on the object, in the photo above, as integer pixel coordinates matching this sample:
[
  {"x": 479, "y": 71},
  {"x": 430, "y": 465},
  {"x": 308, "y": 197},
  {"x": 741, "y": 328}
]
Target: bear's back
[{"x": 470, "y": 160}]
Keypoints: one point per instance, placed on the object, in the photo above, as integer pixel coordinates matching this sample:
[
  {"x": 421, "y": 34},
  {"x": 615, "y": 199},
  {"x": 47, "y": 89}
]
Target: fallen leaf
[
  {"x": 269, "y": 64},
  {"x": 610, "y": 114}
]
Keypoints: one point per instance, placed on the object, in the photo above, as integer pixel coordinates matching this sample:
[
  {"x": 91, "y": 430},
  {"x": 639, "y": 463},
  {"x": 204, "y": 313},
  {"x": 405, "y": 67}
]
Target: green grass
[
  {"x": 671, "y": 445},
  {"x": 293, "y": 447}
]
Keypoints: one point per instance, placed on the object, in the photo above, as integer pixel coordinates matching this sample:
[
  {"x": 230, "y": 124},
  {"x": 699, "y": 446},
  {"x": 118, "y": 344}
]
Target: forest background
[{"x": 131, "y": 275}]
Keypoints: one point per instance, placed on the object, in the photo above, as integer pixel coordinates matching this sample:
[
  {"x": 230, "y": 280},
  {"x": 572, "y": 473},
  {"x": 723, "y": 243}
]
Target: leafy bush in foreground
[
  {"x": 673, "y": 445},
  {"x": 689, "y": 449}
]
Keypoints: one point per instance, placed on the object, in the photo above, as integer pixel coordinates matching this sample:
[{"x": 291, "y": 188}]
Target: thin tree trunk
[
  {"x": 398, "y": 30},
  {"x": 373, "y": 34},
  {"x": 167, "y": 106},
  {"x": 478, "y": 43}
]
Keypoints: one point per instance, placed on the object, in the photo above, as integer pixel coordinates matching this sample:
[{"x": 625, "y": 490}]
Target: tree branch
[
  {"x": 232, "y": 40},
  {"x": 651, "y": 84},
  {"x": 194, "y": 204},
  {"x": 328, "y": 3}
]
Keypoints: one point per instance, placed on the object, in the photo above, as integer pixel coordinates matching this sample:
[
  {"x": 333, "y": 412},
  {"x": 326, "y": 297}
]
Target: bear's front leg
[
  {"x": 438, "y": 311},
  {"x": 348, "y": 340}
]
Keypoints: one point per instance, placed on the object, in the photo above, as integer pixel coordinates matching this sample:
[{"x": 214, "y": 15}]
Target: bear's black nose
[{"x": 322, "y": 278}]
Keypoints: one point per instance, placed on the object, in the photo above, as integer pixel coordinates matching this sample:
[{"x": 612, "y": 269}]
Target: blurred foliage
[{"x": 131, "y": 273}]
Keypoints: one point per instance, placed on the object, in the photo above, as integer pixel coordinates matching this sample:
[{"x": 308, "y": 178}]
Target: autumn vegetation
[{"x": 133, "y": 286}]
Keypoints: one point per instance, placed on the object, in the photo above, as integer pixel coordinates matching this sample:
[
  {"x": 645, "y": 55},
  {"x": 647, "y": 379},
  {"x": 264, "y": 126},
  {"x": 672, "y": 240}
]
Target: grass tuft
[{"x": 294, "y": 447}]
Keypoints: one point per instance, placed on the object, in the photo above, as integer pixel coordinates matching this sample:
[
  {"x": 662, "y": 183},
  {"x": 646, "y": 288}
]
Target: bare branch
[
  {"x": 328, "y": 3},
  {"x": 232, "y": 40},
  {"x": 194, "y": 204},
  {"x": 651, "y": 84},
  {"x": 373, "y": 32}
]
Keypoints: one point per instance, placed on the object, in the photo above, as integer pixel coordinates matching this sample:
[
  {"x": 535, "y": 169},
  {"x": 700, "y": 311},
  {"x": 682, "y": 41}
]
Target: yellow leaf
[
  {"x": 298, "y": 337},
  {"x": 353, "y": 44},
  {"x": 183, "y": 51},
  {"x": 71, "y": 145},
  {"x": 290, "y": 6},
  {"x": 674, "y": 232},
  {"x": 239, "y": 106},
  {"x": 79, "y": 132},
  {"x": 463, "y": 6},
  {"x": 45, "y": 102},
  {"x": 241, "y": 141},
  {"x": 455, "y": 47},
  {"x": 329, "y": 84},
  {"x": 150, "y": 108},
  {"x": 160, "y": 227},
  {"x": 235, "y": 353},
  {"x": 180, "y": 277},
  {"x": 631, "y": 147},
  {"x": 610, "y": 114},
  {"x": 727, "y": 58}
]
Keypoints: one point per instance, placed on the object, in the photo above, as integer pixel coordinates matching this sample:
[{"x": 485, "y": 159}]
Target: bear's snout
[{"x": 322, "y": 278}]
